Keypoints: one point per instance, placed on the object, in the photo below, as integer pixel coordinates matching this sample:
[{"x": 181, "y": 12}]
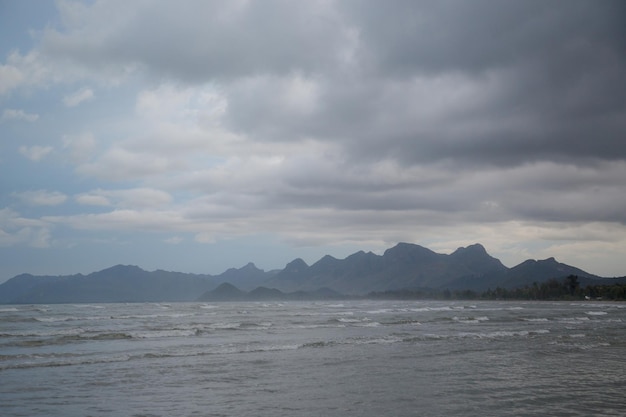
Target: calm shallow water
[{"x": 352, "y": 358}]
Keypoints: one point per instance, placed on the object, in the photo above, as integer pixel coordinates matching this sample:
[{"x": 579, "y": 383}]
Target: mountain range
[{"x": 404, "y": 266}]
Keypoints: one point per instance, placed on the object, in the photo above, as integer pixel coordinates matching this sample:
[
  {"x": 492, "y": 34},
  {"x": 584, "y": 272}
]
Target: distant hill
[
  {"x": 120, "y": 283},
  {"x": 228, "y": 292},
  {"x": 246, "y": 278},
  {"x": 403, "y": 267},
  {"x": 409, "y": 266}
]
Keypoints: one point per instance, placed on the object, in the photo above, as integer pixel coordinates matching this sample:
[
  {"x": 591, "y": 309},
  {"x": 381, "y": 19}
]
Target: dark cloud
[
  {"x": 406, "y": 36},
  {"x": 482, "y": 82},
  {"x": 201, "y": 41},
  {"x": 478, "y": 83},
  {"x": 558, "y": 67},
  {"x": 324, "y": 120}
]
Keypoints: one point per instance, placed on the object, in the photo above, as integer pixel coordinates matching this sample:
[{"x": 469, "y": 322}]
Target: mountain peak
[
  {"x": 122, "y": 269},
  {"x": 475, "y": 251},
  {"x": 224, "y": 292},
  {"x": 404, "y": 248},
  {"x": 475, "y": 248},
  {"x": 476, "y": 259},
  {"x": 550, "y": 260},
  {"x": 297, "y": 265},
  {"x": 250, "y": 266},
  {"x": 326, "y": 261}
]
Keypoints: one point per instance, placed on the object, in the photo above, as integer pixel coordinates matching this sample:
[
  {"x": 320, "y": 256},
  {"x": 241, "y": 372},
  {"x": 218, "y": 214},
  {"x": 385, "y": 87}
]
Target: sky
[{"x": 196, "y": 136}]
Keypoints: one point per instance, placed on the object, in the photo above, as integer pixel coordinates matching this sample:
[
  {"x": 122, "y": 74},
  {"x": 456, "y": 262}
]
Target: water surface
[{"x": 349, "y": 358}]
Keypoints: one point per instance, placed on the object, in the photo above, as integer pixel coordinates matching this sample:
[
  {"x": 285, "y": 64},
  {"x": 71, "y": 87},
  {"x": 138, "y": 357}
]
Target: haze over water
[{"x": 352, "y": 358}]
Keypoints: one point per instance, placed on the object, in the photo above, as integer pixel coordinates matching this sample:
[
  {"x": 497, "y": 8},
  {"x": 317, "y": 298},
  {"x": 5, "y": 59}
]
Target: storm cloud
[{"x": 325, "y": 123}]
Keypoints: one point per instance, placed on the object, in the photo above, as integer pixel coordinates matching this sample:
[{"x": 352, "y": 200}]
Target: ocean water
[{"x": 348, "y": 358}]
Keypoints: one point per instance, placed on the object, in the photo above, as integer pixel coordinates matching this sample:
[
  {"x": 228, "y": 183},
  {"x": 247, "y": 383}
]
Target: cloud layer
[{"x": 356, "y": 123}]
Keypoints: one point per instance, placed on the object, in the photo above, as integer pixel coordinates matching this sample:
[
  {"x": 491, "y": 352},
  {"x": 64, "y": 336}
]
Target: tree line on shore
[{"x": 553, "y": 289}]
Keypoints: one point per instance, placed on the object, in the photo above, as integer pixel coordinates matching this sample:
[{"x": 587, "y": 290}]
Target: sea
[{"x": 339, "y": 358}]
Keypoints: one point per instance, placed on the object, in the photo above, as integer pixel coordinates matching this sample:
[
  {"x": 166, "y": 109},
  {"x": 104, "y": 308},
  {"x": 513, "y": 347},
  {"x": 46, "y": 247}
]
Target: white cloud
[
  {"x": 17, "y": 230},
  {"x": 175, "y": 240},
  {"x": 141, "y": 197},
  {"x": 79, "y": 96},
  {"x": 26, "y": 70},
  {"x": 42, "y": 198},
  {"x": 81, "y": 146},
  {"x": 12, "y": 114},
  {"x": 126, "y": 198},
  {"x": 90, "y": 199},
  {"x": 35, "y": 153},
  {"x": 10, "y": 78},
  {"x": 165, "y": 103},
  {"x": 125, "y": 220},
  {"x": 118, "y": 164}
]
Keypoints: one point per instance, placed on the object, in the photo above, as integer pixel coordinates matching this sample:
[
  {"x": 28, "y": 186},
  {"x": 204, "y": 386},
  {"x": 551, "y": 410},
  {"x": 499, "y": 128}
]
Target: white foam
[
  {"x": 380, "y": 311},
  {"x": 369, "y": 324},
  {"x": 344, "y": 320},
  {"x": 503, "y": 333},
  {"x": 427, "y": 309},
  {"x": 164, "y": 333},
  {"x": 596, "y": 313},
  {"x": 55, "y": 319},
  {"x": 97, "y": 307},
  {"x": 472, "y": 320}
]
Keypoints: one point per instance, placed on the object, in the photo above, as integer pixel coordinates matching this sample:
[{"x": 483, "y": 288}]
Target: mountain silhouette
[{"x": 405, "y": 266}]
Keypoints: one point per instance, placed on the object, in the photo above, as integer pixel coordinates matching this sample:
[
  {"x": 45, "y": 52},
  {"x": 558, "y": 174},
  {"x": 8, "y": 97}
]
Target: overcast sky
[{"x": 200, "y": 135}]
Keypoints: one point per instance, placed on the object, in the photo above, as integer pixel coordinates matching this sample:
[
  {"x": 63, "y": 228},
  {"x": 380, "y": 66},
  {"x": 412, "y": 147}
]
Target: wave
[
  {"x": 27, "y": 361},
  {"x": 312, "y": 326},
  {"x": 158, "y": 334},
  {"x": 428, "y": 309},
  {"x": 379, "y": 340},
  {"x": 58, "y": 332},
  {"x": 574, "y": 320},
  {"x": 356, "y": 322},
  {"x": 53, "y": 319},
  {"x": 92, "y": 306},
  {"x": 152, "y": 316},
  {"x": 402, "y": 321},
  {"x": 33, "y": 362},
  {"x": 107, "y": 336},
  {"x": 573, "y": 344},
  {"x": 470, "y": 320},
  {"x": 208, "y": 306},
  {"x": 385, "y": 310},
  {"x": 503, "y": 334},
  {"x": 345, "y": 320},
  {"x": 78, "y": 335},
  {"x": 498, "y": 334},
  {"x": 318, "y": 344},
  {"x": 596, "y": 313}
]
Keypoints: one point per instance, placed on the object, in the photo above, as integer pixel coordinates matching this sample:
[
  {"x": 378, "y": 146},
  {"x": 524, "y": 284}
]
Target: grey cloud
[
  {"x": 498, "y": 100},
  {"x": 545, "y": 77},
  {"x": 407, "y": 36},
  {"x": 534, "y": 192},
  {"x": 200, "y": 41}
]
